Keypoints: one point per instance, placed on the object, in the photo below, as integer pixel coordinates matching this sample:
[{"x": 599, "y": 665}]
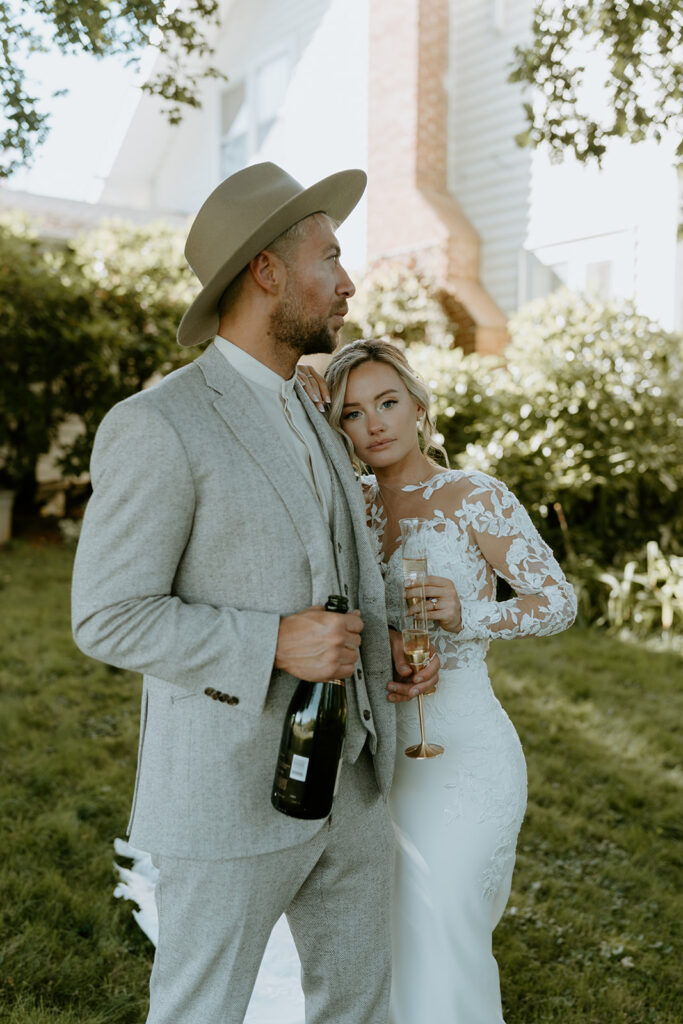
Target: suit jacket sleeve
[{"x": 134, "y": 533}]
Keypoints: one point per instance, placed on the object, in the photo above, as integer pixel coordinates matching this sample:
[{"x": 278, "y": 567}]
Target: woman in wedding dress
[{"x": 456, "y": 816}]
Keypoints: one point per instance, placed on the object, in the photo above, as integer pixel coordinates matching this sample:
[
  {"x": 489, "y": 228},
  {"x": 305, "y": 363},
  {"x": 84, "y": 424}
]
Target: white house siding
[{"x": 488, "y": 173}]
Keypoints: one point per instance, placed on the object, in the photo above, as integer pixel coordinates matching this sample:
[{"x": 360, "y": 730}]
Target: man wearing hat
[{"x": 224, "y": 512}]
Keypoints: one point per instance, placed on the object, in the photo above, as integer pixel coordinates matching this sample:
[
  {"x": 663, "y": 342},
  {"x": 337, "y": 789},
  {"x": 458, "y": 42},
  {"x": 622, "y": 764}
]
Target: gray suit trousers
[{"x": 215, "y": 918}]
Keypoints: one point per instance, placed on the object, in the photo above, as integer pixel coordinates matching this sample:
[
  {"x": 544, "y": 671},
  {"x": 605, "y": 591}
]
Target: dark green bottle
[{"x": 312, "y": 744}]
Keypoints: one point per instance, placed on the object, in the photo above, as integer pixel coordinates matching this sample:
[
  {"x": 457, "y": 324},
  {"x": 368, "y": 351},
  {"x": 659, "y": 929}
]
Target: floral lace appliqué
[{"x": 478, "y": 532}]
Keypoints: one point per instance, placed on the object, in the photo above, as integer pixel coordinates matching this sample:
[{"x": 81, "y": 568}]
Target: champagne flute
[
  {"x": 414, "y": 622},
  {"x": 413, "y": 554},
  {"x": 413, "y": 548}
]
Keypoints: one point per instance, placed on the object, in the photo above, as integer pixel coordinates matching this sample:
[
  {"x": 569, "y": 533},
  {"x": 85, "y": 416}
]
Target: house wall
[
  {"x": 321, "y": 124},
  {"x": 488, "y": 172},
  {"x": 539, "y": 223}
]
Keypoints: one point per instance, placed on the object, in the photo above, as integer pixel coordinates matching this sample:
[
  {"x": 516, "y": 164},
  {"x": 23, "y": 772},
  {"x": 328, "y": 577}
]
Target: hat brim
[{"x": 335, "y": 195}]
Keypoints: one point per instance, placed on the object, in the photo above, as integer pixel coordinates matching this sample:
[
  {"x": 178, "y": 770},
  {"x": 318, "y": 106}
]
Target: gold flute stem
[{"x": 420, "y": 710}]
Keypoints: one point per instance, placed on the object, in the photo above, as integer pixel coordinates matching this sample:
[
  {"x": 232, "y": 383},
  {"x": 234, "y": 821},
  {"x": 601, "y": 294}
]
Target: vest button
[{"x": 366, "y": 715}]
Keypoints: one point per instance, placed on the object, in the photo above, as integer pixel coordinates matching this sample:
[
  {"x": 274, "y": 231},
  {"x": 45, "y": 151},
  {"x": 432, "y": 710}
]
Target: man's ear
[{"x": 268, "y": 271}]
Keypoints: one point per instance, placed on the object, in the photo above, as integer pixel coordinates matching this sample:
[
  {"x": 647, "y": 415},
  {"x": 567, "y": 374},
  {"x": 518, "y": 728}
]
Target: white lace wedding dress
[{"x": 457, "y": 816}]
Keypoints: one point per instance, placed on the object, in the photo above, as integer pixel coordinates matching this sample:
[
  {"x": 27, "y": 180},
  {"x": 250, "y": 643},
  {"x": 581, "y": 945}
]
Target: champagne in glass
[
  {"x": 414, "y": 568},
  {"x": 415, "y": 634},
  {"x": 416, "y": 647}
]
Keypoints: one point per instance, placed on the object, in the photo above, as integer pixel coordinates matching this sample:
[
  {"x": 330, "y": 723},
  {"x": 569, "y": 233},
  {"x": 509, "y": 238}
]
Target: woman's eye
[
  {"x": 387, "y": 404},
  {"x": 350, "y": 415}
]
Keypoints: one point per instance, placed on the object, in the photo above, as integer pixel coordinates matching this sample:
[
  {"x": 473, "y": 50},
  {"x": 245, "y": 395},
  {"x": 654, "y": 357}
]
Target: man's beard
[{"x": 301, "y": 335}]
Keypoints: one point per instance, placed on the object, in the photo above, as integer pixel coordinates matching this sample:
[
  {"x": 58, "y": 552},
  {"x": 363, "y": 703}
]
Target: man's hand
[
  {"x": 423, "y": 682},
  {"x": 317, "y": 645}
]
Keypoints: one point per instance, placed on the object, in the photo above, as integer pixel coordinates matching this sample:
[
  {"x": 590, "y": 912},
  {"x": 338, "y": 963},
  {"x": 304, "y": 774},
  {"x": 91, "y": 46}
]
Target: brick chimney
[{"x": 411, "y": 215}]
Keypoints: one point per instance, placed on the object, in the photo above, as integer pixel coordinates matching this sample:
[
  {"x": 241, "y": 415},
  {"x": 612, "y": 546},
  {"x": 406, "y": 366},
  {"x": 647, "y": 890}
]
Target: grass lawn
[{"x": 590, "y": 934}]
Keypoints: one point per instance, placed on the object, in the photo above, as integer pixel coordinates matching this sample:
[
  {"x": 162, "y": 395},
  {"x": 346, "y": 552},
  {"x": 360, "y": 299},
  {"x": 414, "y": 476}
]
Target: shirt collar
[{"x": 255, "y": 371}]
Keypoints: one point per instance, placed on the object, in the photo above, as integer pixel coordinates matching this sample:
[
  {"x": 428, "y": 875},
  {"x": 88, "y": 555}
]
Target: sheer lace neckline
[
  {"x": 418, "y": 486},
  {"x": 377, "y": 514}
]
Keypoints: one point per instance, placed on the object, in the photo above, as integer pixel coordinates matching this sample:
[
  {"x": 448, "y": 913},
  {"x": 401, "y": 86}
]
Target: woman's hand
[
  {"x": 314, "y": 385},
  {"x": 443, "y": 603},
  {"x": 411, "y": 684}
]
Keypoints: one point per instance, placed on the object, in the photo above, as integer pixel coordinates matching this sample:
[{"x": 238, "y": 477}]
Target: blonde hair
[{"x": 371, "y": 350}]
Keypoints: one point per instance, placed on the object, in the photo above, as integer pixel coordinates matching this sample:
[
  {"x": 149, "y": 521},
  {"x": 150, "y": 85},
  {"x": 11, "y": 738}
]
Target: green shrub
[
  {"x": 582, "y": 420},
  {"x": 645, "y": 598},
  {"x": 398, "y": 302},
  {"x": 44, "y": 329},
  {"x": 83, "y": 326},
  {"x": 140, "y": 286}
]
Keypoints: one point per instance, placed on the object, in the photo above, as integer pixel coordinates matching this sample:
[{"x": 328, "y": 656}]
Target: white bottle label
[{"x": 299, "y": 768}]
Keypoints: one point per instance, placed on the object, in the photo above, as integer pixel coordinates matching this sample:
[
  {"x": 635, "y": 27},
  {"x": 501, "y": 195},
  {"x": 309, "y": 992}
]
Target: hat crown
[{"x": 228, "y": 218}]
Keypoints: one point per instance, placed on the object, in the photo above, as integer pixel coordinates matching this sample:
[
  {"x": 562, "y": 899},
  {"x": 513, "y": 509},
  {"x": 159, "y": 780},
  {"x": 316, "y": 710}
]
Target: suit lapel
[
  {"x": 338, "y": 456},
  {"x": 235, "y": 404}
]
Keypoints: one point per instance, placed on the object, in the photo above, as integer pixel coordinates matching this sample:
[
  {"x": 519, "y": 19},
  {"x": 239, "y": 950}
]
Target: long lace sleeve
[{"x": 508, "y": 540}]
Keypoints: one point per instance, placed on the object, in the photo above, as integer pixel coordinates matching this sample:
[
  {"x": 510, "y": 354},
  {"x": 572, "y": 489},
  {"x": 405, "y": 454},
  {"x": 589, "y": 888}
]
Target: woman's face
[{"x": 379, "y": 415}]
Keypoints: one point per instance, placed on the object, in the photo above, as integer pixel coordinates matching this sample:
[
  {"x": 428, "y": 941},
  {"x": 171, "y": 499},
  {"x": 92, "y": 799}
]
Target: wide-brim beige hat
[{"x": 241, "y": 218}]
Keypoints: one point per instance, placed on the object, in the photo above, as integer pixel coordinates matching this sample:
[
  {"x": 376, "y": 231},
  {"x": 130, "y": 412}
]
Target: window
[
  {"x": 272, "y": 79},
  {"x": 234, "y": 130},
  {"x": 249, "y": 110}
]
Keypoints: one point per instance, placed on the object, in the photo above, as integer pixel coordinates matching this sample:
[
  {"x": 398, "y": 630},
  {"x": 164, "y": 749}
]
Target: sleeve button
[
  {"x": 233, "y": 700},
  {"x": 366, "y": 715},
  {"x": 209, "y": 691}
]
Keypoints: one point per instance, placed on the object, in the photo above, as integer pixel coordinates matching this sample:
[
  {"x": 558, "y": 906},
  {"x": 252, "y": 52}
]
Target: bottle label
[{"x": 299, "y": 768}]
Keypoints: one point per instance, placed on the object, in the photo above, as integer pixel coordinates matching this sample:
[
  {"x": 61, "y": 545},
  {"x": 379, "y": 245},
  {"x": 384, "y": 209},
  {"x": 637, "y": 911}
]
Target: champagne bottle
[{"x": 309, "y": 762}]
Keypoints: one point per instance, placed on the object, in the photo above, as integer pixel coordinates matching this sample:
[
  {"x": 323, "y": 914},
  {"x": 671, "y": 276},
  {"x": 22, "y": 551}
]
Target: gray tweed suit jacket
[{"x": 199, "y": 535}]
